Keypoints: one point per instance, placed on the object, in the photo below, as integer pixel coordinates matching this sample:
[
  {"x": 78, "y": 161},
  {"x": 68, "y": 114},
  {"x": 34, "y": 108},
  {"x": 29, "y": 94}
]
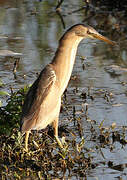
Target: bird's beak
[{"x": 100, "y": 37}]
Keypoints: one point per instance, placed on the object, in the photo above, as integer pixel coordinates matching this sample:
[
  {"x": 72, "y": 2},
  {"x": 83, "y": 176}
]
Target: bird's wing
[{"x": 37, "y": 93}]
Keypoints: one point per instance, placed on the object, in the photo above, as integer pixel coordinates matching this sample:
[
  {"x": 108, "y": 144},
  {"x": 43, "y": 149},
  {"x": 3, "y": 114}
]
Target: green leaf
[
  {"x": 101, "y": 124},
  {"x": 4, "y": 93}
]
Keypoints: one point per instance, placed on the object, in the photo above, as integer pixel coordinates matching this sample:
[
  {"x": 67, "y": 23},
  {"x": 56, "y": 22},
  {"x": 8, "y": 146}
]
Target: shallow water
[{"x": 33, "y": 29}]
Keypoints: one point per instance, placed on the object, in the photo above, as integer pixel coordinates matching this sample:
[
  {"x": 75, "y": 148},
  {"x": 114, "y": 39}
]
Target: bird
[{"x": 43, "y": 101}]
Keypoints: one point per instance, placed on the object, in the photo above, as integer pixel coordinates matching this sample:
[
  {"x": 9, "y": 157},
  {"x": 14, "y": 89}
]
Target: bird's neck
[{"x": 64, "y": 59}]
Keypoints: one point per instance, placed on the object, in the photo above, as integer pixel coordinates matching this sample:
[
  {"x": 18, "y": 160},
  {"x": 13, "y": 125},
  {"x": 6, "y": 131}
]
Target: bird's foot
[
  {"x": 25, "y": 149},
  {"x": 59, "y": 142}
]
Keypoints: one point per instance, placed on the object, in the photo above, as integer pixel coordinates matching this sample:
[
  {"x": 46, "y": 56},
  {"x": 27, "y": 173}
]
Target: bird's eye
[{"x": 88, "y": 32}]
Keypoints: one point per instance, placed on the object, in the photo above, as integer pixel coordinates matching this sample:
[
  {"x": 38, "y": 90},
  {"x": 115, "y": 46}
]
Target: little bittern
[{"x": 43, "y": 100}]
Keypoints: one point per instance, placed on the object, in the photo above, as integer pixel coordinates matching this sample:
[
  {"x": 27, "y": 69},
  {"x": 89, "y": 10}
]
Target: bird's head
[{"x": 89, "y": 32}]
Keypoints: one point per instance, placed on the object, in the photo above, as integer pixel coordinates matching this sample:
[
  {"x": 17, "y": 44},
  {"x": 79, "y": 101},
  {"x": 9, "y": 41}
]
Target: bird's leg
[
  {"x": 55, "y": 126},
  {"x": 26, "y": 140}
]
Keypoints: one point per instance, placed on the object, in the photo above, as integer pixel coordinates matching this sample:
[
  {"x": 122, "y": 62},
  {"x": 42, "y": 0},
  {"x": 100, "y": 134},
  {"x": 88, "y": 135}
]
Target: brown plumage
[
  {"x": 43, "y": 100},
  {"x": 36, "y": 98}
]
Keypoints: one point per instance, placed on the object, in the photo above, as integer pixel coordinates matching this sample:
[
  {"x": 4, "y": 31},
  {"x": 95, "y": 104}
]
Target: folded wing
[{"x": 35, "y": 97}]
